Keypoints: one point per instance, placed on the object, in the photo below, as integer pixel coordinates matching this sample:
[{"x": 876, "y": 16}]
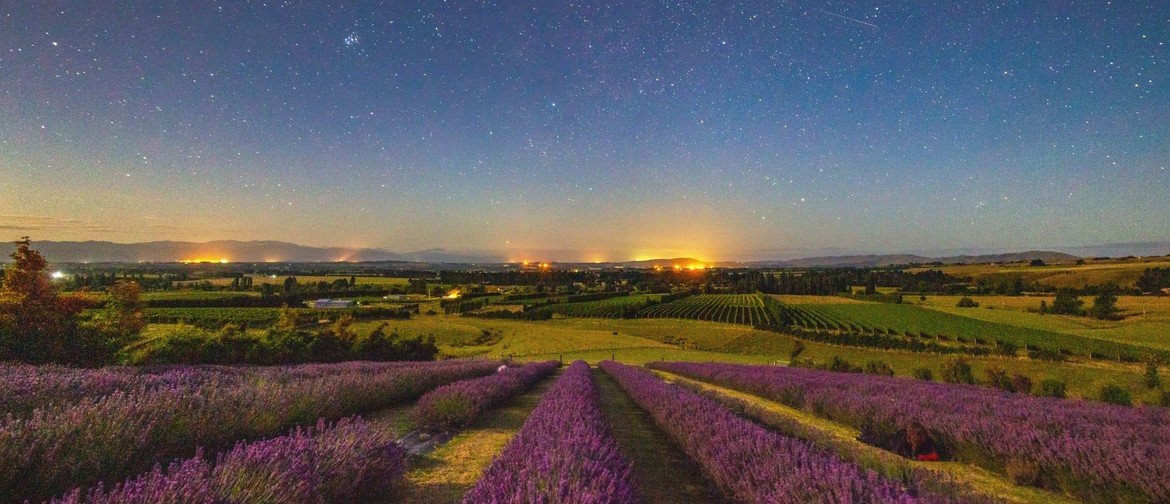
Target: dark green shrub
[
  {"x": 1114, "y": 394},
  {"x": 1051, "y": 388},
  {"x": 797, "y": 349},
  {"x": 841, "y": 365},
  {"x": 958, "y": 370},
  {"x": 878, "y": 367},
  {"x": 1151, "y": 379},
  {"x": 1005, "y": 348},
  {"x": 995, "y": 376},
  {"x": 1022, "y": 383},
  {"x": 924, "y": 374},
  {"x": 967, "y": 302}
]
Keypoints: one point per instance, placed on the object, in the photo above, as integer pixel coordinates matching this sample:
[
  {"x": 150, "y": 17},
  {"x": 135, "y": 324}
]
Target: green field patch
[
  {"x": 617, "y": 307},
  {"x": 193, "y": 294}
]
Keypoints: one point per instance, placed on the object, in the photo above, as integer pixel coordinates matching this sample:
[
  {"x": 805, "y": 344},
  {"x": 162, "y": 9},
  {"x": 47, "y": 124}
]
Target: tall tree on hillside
[{"x": 1066, "y": 303}]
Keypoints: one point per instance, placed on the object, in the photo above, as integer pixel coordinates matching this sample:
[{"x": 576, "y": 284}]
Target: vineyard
[
  {"x": 746, "y": 309},
  {"x": 616, "y": 307}
]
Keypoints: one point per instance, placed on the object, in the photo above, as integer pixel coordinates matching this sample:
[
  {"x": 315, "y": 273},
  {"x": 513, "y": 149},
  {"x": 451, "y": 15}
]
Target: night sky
[{"x": 588, "y": 131}]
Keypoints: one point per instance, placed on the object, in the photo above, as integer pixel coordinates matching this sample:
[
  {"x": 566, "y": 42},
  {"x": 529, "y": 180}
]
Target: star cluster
[{"x": 588, "y": 130}]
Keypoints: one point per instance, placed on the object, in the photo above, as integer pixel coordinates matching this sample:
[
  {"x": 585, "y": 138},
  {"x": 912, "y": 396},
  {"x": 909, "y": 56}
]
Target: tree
[
  {"x": 1151, "y": 379},
  {"x": 122, "y": 317},
  {"x": 958, "y": 370},
  {"x": 35, "y": 323},
  {"x": 967, "y": 302},
  {"x": 1066, "y": 303},
  {"x": 1105, "y": 304}
]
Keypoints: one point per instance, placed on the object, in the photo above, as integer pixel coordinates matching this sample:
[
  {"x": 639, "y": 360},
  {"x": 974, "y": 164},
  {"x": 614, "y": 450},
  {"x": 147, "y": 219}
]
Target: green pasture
[{"x": 1146, "y": 319}]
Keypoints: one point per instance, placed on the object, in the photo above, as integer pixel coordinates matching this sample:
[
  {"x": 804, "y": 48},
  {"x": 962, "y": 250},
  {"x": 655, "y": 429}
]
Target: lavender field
[
  {"x": 123, "y": 423},
  {"x": 1096, "y": 451},
  {"x": 244, "y": 434}
]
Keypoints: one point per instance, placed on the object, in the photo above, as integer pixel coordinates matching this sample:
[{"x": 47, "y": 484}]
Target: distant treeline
[
  {"x": 246, "y": 301},
  {"x": 1154, "y": 280}
]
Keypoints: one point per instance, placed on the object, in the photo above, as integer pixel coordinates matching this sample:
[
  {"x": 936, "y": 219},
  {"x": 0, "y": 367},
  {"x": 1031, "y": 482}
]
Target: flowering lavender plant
[
  {"x": 344, "y": 462},
  {"x": 126, "y": 432},
  {"x": 564, "y": 452},
  {"x": 748, "y": 462},
  {"x": 1096, "y": 451},
  {"x": 457, "y": 404}
]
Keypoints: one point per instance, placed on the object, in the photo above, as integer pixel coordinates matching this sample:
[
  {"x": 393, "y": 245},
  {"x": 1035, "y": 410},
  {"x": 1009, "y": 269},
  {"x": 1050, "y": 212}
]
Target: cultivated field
[
  {"x": 730, "y": 308},
  {"x": 1122, "y": 272},
  {"x": 685, "y": 429}
]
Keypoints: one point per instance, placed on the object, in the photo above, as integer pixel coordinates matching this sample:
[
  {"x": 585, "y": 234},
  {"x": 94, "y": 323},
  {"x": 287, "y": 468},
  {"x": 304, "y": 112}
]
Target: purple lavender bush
[
  {"x": 24, "y": 388},
  {"x": 340, "y": 463},
  {"x": 1096, "y": 451},
  {"x": 457, "y": 404},
  {"x": 564, "y": 452},
  {"x": 748, "y": 462},
  {"x": 112, "y": 437}
]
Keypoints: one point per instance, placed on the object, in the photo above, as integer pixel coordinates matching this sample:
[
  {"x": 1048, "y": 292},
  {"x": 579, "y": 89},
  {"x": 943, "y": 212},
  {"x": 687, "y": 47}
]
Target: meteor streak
[{"x": 855, "y": 20}]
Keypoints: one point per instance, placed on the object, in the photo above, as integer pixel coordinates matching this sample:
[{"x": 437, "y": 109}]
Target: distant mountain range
[
  {"x": 277, "y": 251},
  {"x": 888, "y": 259},
  {"x": 237, "y": 251}
]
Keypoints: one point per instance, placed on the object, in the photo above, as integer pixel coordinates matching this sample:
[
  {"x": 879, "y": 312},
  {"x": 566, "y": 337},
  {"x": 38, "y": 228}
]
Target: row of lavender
[
  {"x": 25, "y": 388},
  {"x": 1096, "y": 451},
  {"x": 345, "y": 462},
  {"x": 564, "y": 452},
  {"x": 747, "y": 461},
  {"x": 109, "y": 437},
  {"x": 455, "y": 405}
]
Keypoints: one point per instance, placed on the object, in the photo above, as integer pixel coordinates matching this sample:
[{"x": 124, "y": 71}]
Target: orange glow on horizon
[{"x": 203, "y": 261}]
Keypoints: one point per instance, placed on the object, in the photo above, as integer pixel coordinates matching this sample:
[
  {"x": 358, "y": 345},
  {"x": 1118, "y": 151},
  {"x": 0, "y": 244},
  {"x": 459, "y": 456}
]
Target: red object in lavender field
[{"x": 929, "y": 457}]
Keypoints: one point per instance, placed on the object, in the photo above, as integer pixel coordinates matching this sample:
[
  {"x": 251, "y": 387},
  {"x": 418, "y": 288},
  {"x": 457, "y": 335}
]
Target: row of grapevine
[
  {"x": 617, "y": 307},
  {"x": 745, "y": 309}
]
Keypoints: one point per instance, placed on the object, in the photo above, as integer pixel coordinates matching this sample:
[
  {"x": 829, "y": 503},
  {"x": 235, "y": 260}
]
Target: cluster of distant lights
[
  {"x": 677, "y": 267},
  {"x": 203, "y": 261}
]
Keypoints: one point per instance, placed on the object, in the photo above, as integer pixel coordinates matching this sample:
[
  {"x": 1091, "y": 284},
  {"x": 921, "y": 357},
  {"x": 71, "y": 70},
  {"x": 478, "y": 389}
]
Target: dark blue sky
[{"x": 586, "y": 130}]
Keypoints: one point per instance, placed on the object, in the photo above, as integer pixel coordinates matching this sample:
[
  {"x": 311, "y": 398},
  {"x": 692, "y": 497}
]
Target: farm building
[{"x": 333, "y": 303}]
